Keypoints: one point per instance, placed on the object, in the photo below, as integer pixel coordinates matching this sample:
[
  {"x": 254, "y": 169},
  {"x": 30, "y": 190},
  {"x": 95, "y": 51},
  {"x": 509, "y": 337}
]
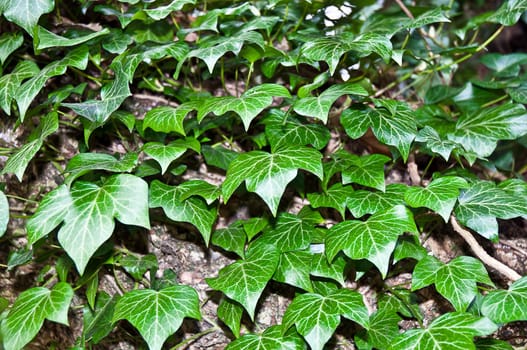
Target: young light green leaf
[
  {"x": 232, "y": 238},
  {"x": 335, "y": 197},
  {"x": 282, "y": 131},
  {"x": 316, "y": 317},
  {"x": 168, "y": 119},
  {"x": 440, "y": 195},
  {"x": 83, "y": 163},
  {"x": 4, "y": 213},
  {"x": 479, "y": 132},
  {"x": 392, "y": 123},
  {"x": 165, "y": 154},
  {"x": 294, "y": 268},
  {"x": 18, "y": 162},
  {"x": 26, "y": 92},
  {"x": 9, "y": 83},
  {"x": 245, "y": 280},
  {"x": 46, "y": 39},
  {"x": 247, "y": 106},
  {"x": 158, "y": 314},
  {"x": 364, "y": 170},
  {"x": 267, "y": 174},
  {"x": 29, "y": 311},
  {"x": 504, "y": 306},
  {"x": 456, "y": 281},
  {"x": 162, "y": 12},
  {"x": 373, "y": 239},
  {"x": 363, "y": 202},
  {"x": 9, "y": 42},
  {"x": 230, "y": 313},
  {"x": 483, "y": 202},
  {"x": 26, "y": 13},
  {"x": 453, "y": 331},
  {"x": 318, "y": 107},
  {"x": 211, "y": 51},
  {"x": 289, "y": 233},
  {"x": 272, "y": 338},
  {"x": 193, "y": 210}
]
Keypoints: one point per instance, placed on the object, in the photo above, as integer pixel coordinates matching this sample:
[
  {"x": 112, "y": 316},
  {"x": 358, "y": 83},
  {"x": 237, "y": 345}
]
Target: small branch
[
  {"x": 155, "y": 99},
  {"x": 482, "y": 254},
  {"x": 413, "y": 171}
]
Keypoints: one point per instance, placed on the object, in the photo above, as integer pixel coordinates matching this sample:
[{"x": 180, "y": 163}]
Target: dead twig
[{"x": 482, "y": 254}]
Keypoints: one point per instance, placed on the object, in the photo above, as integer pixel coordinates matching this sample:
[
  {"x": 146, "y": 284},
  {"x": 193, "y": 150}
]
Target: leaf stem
[
  {"x": 482, "y": 254},
  {"x": 21, "y": 198},
  {"x": 195, "y": 337}
]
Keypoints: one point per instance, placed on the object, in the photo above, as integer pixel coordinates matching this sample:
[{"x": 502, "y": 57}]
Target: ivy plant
[{"x": 316, "y": 146}]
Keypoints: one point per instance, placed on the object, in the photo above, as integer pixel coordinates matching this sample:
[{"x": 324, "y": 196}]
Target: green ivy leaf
[
  {"x": 271, "y": 338},
  {"x": 433, "y": 16},
  {"x": 456, "y": 281},
  {"x": 294, "y": 268},
  {"x": 408, "y": 247},
  {"x": 518, "y": 94},
  {"x": 383, "y": 327},
  {"x": 284, "y": 131},
  {"x": 165, "y": 154},
  {"x": 331, "y": 49},
  {"x": 193, "y": 210},
  {"x": 453, "y": 331},
  {"x": 364, "y": 170},
  {"x": 392, "y": 123},
  {"x": 483, "y": 202},
  {"x": 504, "y": 306},
  {"x": 247, "y": 106},
  {"x": 98, "y": 322},
  {"x": 479, "y": 132},
  {"x": 9, "y": 83},
  {"x": 4, "y": 213},
  {"x": 46, "y": 39},
  {"x": 26, "y": 93},
  {"x": 335, "y": 197},
  {"x": 232, "y": 238},
  {"x": 437, "y": 144},
  {"x": 321, "y": 267},
  {"x": 116, "y": 42},
  {"x": 168, "y": 119},
  {"x": 29, "y": 311},
  {"x": 267, "y": 174},
  {"x": 200, "y": 188},
  {"x": 162, "y": 12},
  {"x": 158, "y": 314},
  {"x": 504, "y": 64},
  {"x": 253, "y": 226},
  {"x": 316, "y": 317},
  {"x": 230, "y": 313},
  {"x": 245, "y": 280},
  {"x": 440, "y": 195},
  {"x": 211, "y": 51},
  {"x": 363, "y": 202},
  {"x": 373, "y": 239},
  {"x": 318, "y": 107},
  {"x": 509, "y": 12},
  {"x": 26, "y": 13},
  {"x": 137, "y": 266},
  {"x": 289, "y": 233},
  {"x": 18, "y": 162},
  {"x": 9, "y": 43},
  {"x": 83, "y": 163},
  {"x": 492, "y": 344}
]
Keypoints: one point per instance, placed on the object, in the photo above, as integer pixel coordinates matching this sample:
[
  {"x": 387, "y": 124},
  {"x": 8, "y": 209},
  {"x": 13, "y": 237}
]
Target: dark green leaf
[
  {"x": 504, "y": 306},
  {"x": 440, "y": 195},
  {"x": 29, "y": 311},
  {"x": 167, "y": 119},
  {"x": 289, "y": 233},
  {"x": 267, "y": 174},
  {"x": 433, "y": 16},
  {"x": 392, "y": 122},
  {"x": 373, "y": 239},
  {"x": 271, "y": 339},
  {"x": 98, "y": 322},
  {"x": 509, "y": 12},
  {"x": 335, "y": 197},
  {"x": 193, "y": 210},
  {"x": 483, "y": 202},
  {"x": 321, "y": 267},
  {"x": 26, "y": 13},
  {"x": 137, "y": 266},
  {"x": 9, "y": 42},
  {"x": 492, "y": 344},
  {"x": 165, "y": 154},
  {"x": 162, "y": 12},
  {"x": 83, "y": 163},
  {"x": 437, "y": 144},
  {"x": 47, "y": 39},
  {"x": 383, "y": 328},
  {"x": 218, "y": 156},
  {"x": 232, "y": 238},
  {"x": 294, "y": 268},
  {"x": 364, "y": 170},
  {"x": 456, "y": 281},
  {"x": 230, "y": 313},
  {"x": 245, "y": 280},
  {"x": 363, "y": 202},
  {"x": 9, "y": 83},
  {"x": 316, "y": 317},
  {"x": 158, "y": 314}
]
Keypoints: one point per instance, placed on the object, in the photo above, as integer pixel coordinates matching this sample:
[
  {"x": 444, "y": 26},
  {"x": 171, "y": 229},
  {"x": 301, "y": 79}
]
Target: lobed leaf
[
  {"x": 504, "y": 306},
  {"x": 271, "y": 338},
  {"x": 26, "y": 13}
]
